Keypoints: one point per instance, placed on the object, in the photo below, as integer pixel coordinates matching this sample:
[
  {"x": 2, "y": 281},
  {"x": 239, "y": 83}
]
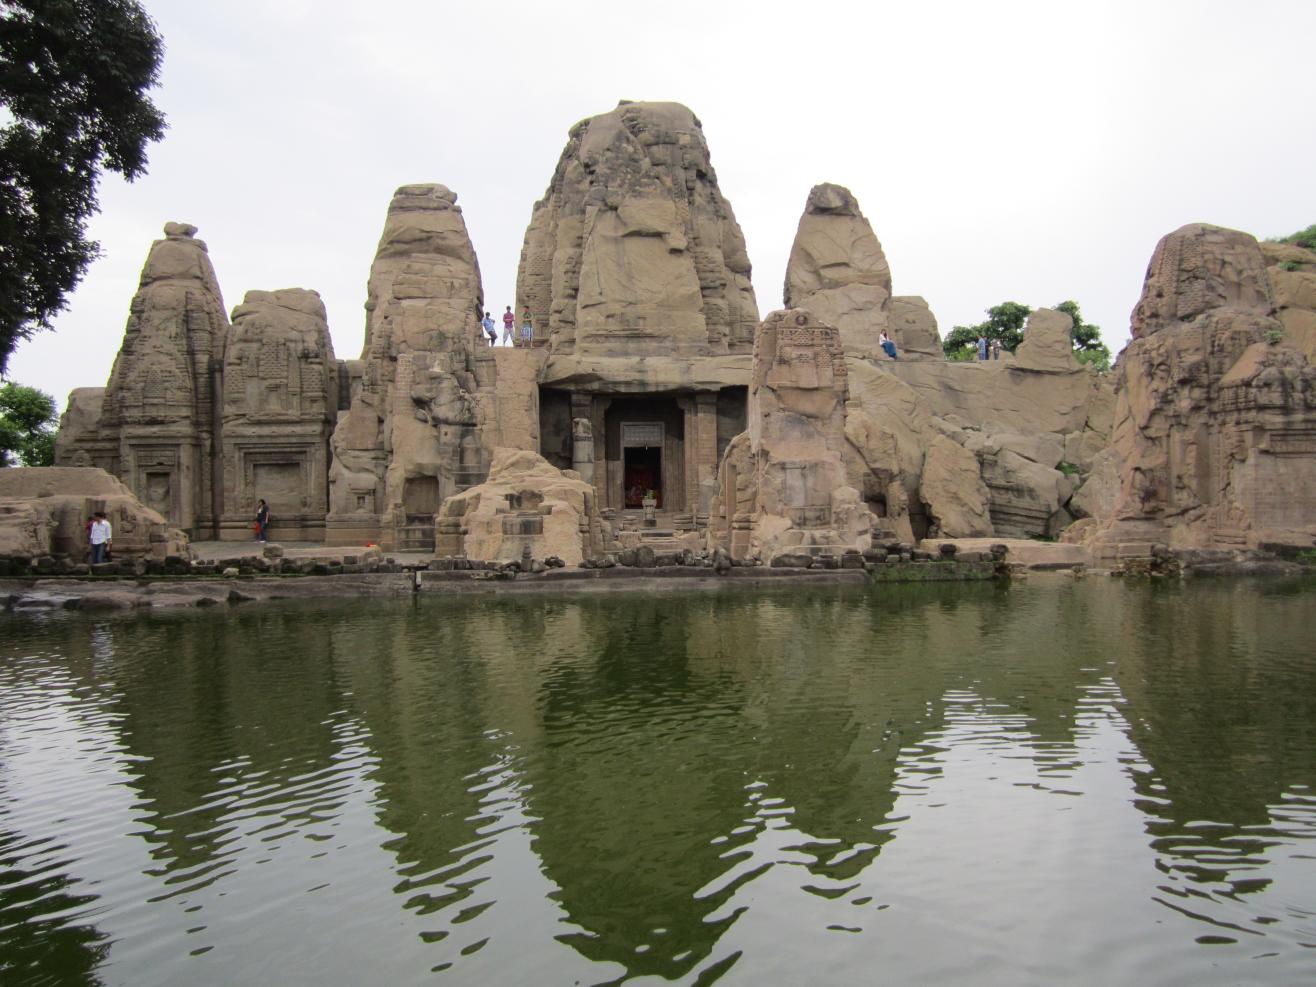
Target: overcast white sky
[{"x": 1029, "y": 151}]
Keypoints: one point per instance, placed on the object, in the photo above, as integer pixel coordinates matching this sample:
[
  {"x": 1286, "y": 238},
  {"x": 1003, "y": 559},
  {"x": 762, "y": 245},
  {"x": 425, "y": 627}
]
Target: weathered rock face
[
  {"x": 1048, "y": 344},
  {"x": 280, "y": 401},
  {"x": 914, "y": 329},
  {"x": 526, "y": 503},
  {"x": 1099, "y": 495},
  {"x": 78, "y": 441},
  {"x": 1215, "y": 422},
  {"x": 1026, "y": 494},
  {"x": 1292, "y": 274},
  {"x": 417, "y": 430},
  {"x": 157, "y": 423},
  {"x": 838, "y": 272},
  {"x": 888, "y": 428},
  {"x": 1023, "y": 419},
  {"x": 789, "y": 471},
  {"x": 44, "y": 510},
  {"x": 1196, "y": 270},
  {"x": 954, "y": 492},
  {"x": 634, "y": 252}
]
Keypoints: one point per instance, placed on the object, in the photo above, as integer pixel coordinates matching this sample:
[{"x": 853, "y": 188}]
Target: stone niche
[
  {"x": 281, "y": 386},
  {"x": 782, "y": 486}
]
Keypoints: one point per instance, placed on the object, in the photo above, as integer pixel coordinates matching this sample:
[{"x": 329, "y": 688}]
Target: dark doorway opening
[{"x": 642, "y": 472}]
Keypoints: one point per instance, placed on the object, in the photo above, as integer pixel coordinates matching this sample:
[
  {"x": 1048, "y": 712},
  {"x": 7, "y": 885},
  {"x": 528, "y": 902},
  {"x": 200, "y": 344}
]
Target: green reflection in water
[{"x": 642, "y": 754}]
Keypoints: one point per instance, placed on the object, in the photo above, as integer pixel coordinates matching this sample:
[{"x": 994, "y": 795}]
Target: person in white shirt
[{"x": 101, "y": 536}]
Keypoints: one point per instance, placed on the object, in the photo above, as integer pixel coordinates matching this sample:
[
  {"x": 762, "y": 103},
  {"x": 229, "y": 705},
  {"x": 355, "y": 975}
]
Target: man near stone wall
[
  {"x": 101, "y": 537},
  {"x": 509, "y": 327},
  {"x": 487, "y": 324}
]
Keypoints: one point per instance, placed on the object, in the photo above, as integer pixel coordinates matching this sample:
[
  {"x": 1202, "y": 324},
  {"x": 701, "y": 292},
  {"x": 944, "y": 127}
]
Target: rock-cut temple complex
[{"x": 655, "y": 401}]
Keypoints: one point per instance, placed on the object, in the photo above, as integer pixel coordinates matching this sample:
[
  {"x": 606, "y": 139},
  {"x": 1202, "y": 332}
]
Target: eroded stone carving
[
  {"x": 838, "y": 272},
  {"x": 156, "y": 428},
  {"x": 44, "y": 510},
  {"x": 1215, "y": 421},
  {"x": 787, "y": 472},
  {"x": 633, "y": 250},
  {"x": 415, "y": 432},
  {"x": 280, "y": 401},
  {"x": 525, "y": 509},
  {"x": 1292, "y": 274}
]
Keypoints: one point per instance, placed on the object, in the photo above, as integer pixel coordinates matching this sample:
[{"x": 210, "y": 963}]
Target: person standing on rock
[
  {"x": 509, "y": 327},
  {"x": 101, "y": 537},
  {"x": 982, "y": 349},
  {"x": 527, "y": 332},
  {"x": 487, "y": 324},
  {"x": 262, "y": 520}
]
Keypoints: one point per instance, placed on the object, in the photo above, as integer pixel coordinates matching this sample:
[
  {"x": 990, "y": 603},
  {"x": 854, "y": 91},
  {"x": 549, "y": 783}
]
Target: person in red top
[{"x": 509, "y": 327}]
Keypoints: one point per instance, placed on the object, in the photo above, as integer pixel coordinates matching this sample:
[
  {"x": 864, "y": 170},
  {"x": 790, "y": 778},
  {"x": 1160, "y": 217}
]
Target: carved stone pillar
[
  {"x": 704, "y": 440},
  {"x": 582, "y": 448}
]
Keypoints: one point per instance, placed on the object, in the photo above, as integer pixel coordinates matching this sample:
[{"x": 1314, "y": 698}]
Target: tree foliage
[
  {"x": 27, "y": 426},
  {"x": 73, "y": 81},
  {"x": 1304, "y": 238},
  {"x": 1088, "y": 347},
  {"x": 1006, "y": 323}
]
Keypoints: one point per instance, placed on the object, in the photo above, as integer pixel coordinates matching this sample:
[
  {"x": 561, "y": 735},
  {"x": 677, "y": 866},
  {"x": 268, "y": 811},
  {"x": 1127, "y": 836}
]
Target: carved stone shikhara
[
  {"x": 417, "y": 428},
  {"x": 1214, "y": 439},
  {"x": 633, "y": 249},
  {"x": 157, "y": 421}
]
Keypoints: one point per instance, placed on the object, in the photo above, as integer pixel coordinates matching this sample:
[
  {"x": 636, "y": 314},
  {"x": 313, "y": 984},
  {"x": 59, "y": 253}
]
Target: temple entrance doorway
[
  {"x": 642, "y": 474},
  {"x": 643, "y": 450}
]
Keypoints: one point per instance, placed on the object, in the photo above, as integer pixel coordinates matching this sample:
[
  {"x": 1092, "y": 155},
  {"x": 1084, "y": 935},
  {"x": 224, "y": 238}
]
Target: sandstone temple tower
[
  {"x": 418, "y": 429},
  {"x": 193, "y": 443},
  {"x": 636, "y": 269}
]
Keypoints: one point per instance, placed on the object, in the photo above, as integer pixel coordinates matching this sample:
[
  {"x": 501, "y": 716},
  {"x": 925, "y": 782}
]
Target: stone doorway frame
[{"x": 644, "y": 435}]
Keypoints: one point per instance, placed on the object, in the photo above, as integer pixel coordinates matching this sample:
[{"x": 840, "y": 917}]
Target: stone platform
[{"x": 1027, "y": 552}]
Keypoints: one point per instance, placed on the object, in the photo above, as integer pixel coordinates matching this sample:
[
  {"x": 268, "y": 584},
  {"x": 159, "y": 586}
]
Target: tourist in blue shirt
[{"x": 488, "y": 325}]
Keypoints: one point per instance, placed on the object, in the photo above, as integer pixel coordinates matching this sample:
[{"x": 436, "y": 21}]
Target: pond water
[{"x": 1050, "y": 781}]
